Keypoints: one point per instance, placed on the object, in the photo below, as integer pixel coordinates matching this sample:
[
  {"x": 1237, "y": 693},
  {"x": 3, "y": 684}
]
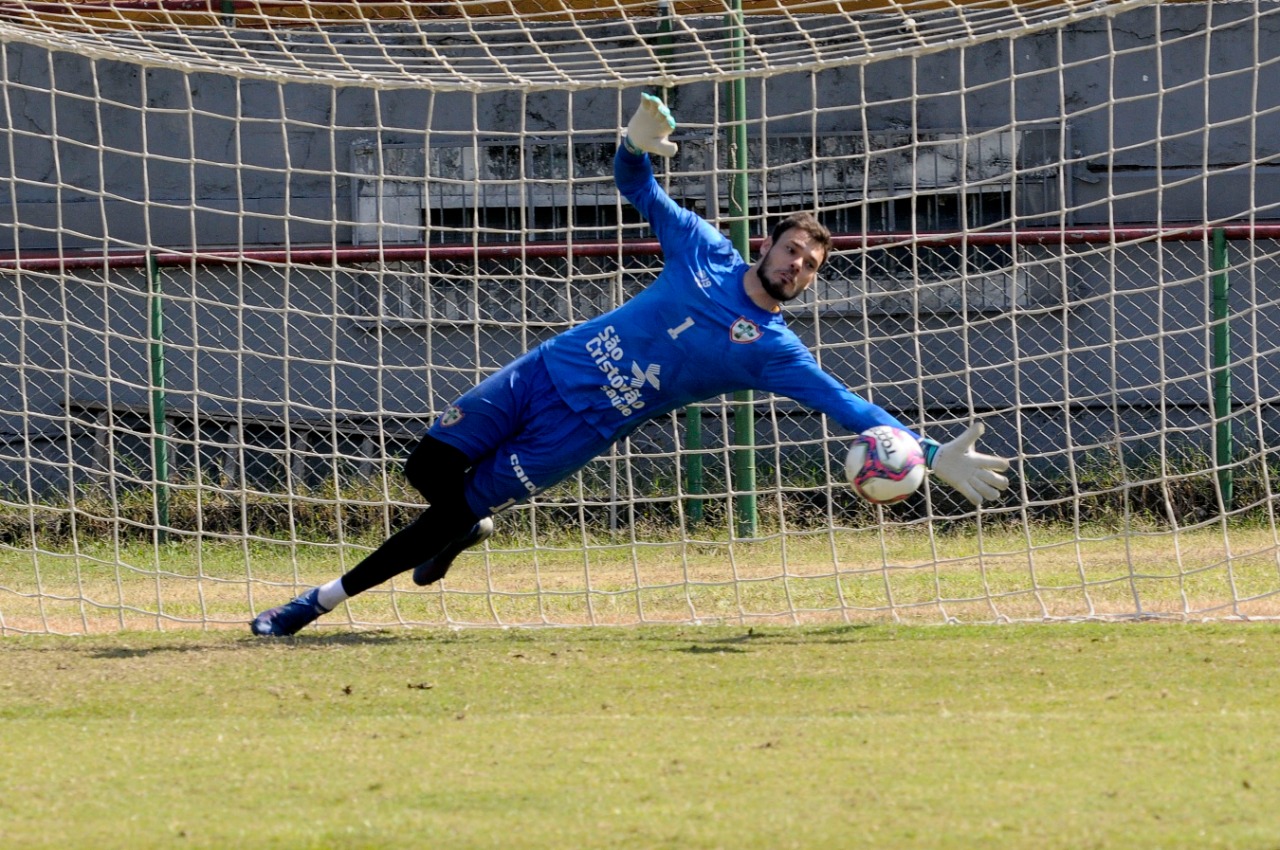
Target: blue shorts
[{"x": 519, "y": 434}]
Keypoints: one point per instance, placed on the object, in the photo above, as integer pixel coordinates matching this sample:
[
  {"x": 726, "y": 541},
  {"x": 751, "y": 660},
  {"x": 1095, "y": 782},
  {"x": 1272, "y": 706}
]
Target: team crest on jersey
[
  {"x": 744, "y": 330},
  {"x": 451, "y": 417}
]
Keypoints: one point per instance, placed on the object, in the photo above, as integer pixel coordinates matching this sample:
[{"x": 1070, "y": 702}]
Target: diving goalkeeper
[{"x": 710, "y": 324}]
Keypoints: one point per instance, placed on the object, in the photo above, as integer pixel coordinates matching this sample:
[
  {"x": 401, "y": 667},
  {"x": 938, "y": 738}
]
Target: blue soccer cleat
[
  {"x": 288, "y": 618},
  {"x": 433, "y": 569}
]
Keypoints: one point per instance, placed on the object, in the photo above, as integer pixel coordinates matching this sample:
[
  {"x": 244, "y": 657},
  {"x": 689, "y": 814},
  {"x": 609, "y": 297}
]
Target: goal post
[{"x": 247, "y": 253}]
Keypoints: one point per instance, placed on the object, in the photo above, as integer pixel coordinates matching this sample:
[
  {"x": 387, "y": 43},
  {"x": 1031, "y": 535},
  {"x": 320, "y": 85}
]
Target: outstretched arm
[
  {"x": 975, "y": 476},
  {"x": 633, "y": 172}
]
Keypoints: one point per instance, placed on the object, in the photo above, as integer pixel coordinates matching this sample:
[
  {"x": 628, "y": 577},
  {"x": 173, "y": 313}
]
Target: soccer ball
[{"x": 884, "y": 465}]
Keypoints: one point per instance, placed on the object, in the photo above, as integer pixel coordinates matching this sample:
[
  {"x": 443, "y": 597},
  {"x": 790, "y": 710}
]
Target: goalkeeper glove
[
  {"x": 649, "y": 128},
  {"x": 975, "y": 476}
]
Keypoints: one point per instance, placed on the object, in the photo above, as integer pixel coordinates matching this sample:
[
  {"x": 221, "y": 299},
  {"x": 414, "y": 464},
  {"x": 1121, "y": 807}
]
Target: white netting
[
  {"x": 526, "y": 45},
  {"x": 250, "y": 250}
]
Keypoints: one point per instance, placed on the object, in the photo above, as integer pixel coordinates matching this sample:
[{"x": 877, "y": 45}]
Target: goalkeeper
[{"x": 710, "y": 324}]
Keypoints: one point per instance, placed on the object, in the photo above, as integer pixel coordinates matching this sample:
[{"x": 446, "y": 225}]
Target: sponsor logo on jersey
[
  {"x": 451, "y": 417},
  {"x": 744, "y": 330},
  {"x": 647, "y": 375},
  {"x": 701, "y": 278},
  {"x": 623, "y": 392},
  {"x": 520, "y": 474}
]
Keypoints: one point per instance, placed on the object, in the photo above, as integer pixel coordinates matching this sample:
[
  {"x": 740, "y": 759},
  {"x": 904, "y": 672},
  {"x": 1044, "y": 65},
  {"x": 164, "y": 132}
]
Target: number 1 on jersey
[{"x": 681, "y": 328}]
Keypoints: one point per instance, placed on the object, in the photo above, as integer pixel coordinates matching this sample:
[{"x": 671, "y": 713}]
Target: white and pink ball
[{"x": 884, "y": 465}]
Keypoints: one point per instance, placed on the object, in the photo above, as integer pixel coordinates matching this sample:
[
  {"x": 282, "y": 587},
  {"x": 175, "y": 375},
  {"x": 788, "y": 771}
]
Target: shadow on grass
[
  {"x": 697, "y": 649},
  {"x": 255, "y": 644},
  {"x": 682, "y": 639}
]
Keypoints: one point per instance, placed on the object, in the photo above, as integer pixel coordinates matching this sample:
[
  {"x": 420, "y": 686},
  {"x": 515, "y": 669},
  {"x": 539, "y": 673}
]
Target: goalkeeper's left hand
[
  {"x": 649, "y": 128},
  {"x": 976, "y": 476}
]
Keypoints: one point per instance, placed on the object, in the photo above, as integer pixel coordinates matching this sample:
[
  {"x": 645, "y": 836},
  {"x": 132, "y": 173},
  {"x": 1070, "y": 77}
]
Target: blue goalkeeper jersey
[{"x": 691, "y": 335}]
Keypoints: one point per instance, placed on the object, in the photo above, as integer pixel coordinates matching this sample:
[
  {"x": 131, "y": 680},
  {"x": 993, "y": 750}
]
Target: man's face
[{"x": 789, "y": 266}]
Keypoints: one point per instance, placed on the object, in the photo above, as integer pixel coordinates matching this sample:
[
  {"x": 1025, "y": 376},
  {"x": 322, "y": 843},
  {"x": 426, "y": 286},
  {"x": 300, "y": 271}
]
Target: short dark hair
[{"x": 810, "y": 225}]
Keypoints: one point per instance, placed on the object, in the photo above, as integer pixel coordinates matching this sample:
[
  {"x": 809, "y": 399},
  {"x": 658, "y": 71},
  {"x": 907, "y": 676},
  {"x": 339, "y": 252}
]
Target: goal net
[{"x": 249, "y": 250}]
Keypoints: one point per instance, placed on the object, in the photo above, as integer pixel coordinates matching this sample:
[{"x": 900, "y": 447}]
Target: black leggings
[{"x": 438, "y": 471}]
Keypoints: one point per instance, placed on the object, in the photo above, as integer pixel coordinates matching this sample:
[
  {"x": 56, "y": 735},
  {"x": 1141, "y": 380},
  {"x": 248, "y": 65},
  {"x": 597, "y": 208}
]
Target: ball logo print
[{"x": 884, "y": 465}]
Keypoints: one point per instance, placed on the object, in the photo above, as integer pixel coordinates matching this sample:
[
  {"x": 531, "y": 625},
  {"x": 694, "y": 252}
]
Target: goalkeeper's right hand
[
  {"x": 977, "y": 476},
  {"x": 649, "y": 128}
]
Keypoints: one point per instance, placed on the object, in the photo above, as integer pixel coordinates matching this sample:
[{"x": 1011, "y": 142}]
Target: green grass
[{"x": 1046, "y": 736}]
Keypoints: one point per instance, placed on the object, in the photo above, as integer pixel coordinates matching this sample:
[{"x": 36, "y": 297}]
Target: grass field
[{"x": 1084, "y": 735}]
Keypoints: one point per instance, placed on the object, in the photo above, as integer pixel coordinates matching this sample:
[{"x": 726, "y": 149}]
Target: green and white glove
[
  {"x": 976, "y": 476},
  {"x": 649, "y": 128}
]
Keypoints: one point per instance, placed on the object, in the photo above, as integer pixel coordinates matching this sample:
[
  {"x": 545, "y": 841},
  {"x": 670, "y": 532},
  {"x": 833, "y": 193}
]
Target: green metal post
[
  {"x": 1225, "y": 450},
  {"x": 744, "y": 425},
  {"x": 693, "y": 478},
  {"x": 159, "y": 426}
]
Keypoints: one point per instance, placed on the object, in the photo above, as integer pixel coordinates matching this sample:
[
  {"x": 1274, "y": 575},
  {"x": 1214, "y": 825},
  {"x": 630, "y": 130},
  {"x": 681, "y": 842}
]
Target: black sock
[
  {"x": 416, "y": 542},
  {"x": 438, "y": 471}
]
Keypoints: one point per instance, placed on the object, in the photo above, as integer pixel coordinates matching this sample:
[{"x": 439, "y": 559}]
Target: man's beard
[{"x": 772, "y": 287}]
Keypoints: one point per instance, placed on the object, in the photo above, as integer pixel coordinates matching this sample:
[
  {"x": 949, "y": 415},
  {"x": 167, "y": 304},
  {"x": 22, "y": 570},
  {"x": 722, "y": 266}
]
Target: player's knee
[{"x": 437, "y": 470}]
